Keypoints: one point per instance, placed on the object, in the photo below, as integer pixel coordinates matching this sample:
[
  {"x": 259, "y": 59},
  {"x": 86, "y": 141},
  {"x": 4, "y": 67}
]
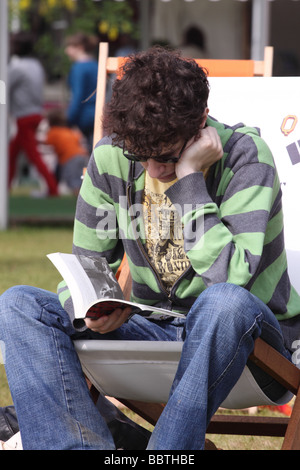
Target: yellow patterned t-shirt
[{"x": 164, "y": 232}]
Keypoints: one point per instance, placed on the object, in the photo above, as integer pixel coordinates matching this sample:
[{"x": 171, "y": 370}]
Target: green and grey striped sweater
[{"x": 233, "y": 223}]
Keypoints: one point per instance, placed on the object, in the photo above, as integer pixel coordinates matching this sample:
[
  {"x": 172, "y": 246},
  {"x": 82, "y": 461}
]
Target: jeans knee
[
  {"x": 230, "y": 305},
  {"x": 227, "y": 296},
  {"x": 19, "y": 299},
  {"x": 9, "y": 298},
  {"x": 24, "y": 305}
]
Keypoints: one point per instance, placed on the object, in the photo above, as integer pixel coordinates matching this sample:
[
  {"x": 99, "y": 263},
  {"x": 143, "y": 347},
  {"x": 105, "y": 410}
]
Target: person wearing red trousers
[{"x": 26, "y": 83}]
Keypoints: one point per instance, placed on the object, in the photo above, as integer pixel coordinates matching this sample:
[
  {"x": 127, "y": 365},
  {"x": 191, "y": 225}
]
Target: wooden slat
[
  {"x": 149, "y": 411},
  {"x": 227, "y": 68},
  {"x": 272, "y": 362},
  {"x": 248, "y": 425},
  {"x": 124, "y": 278},
  {"x": 268, "y": 62},
  {"x": 114, "y": 64},
  {"x": 101, "y": 92},
  {"x": 292, "y": 436}
]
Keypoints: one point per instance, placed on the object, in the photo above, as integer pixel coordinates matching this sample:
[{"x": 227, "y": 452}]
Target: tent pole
[
  {"x": 3, "y": 115},
  {"x": 260, "y": 29}
]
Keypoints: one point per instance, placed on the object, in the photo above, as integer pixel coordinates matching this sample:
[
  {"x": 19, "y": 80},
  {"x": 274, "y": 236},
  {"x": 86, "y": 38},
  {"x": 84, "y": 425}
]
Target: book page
[
  {"x": 101, "y": 277},
  {"x": 81, "y": 289},
  {"x": 88, "y": 279}
]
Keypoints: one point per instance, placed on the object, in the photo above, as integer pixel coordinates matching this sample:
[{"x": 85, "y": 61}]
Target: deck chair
[{"x": 139, "y": 374}]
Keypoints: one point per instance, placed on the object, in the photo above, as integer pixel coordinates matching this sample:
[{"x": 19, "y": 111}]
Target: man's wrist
[{"x": 182, "y": 172}]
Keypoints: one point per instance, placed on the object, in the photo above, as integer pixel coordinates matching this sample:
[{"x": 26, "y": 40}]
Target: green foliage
[
  {"x": 53, "y": 20},
  {"x": 109, "y": 17},
  {"x": 53, "y": 58},
  {"x": 117, "y": 18}
]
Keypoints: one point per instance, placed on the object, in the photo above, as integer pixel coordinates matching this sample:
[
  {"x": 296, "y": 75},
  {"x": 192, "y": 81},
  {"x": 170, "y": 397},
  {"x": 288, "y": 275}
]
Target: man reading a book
[{"x": 196, "y": 206}]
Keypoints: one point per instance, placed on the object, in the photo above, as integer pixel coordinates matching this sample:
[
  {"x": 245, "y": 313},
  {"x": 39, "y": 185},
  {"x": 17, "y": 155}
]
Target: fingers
[
  {"x": 210, "y": 147},
  {"x": 108, "y": 323},
  {"x": 201, "y": 153}
]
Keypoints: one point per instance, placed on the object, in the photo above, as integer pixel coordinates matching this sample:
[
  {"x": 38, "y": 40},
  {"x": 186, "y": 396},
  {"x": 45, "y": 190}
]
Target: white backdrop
[{"x": 273, "y": 105}]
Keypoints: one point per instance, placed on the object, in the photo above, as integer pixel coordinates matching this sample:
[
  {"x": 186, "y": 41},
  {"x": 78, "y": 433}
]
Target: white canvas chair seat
[
  {"x": 133, "y": 370},
  {"x": 144, "y": 371}
]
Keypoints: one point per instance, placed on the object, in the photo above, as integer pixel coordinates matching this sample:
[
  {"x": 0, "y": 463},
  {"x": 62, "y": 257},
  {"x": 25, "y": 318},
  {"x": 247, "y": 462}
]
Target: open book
[{"x": 95, "y": 290}]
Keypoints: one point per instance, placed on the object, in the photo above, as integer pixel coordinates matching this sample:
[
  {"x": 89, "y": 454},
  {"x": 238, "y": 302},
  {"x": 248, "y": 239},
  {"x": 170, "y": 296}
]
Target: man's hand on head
[{"x": 200, "y": 153}]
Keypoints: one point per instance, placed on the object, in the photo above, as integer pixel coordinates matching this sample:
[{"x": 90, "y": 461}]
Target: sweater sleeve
[
  {"x": 96, "y": 231},
  {"x": 225, "y": 241},
  {"x": 94, "y": 212}
]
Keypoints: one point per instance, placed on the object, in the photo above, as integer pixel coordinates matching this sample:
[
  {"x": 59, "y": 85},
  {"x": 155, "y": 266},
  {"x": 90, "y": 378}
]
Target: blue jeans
[{"x": 53, "y": 404}]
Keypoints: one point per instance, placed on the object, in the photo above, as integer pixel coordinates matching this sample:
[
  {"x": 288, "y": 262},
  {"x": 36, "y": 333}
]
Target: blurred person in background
[
  {"x": 82, "y": 82},
  {"x": 26, "y": 80},
  {"x": 194, "y": 43},
  {"x": 70, "y": 148}
]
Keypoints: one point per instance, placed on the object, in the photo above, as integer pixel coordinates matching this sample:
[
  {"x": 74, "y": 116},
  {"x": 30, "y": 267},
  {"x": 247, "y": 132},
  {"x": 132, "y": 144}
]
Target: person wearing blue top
[{"x": 82, "y": 82}]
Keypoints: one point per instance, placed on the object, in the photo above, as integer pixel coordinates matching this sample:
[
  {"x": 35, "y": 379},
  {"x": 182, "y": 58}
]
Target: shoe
[
  {"x": 129, "y": 436},
  {"x": 8, "y": 423},
  {"x": 14, "y": 443}
]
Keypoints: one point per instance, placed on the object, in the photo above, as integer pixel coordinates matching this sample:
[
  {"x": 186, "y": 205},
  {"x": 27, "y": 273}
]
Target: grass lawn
[
  {"x": 51, "y": 210},
  {"x": 23, "y": 253},
  {"x": 23, "y": 261}
]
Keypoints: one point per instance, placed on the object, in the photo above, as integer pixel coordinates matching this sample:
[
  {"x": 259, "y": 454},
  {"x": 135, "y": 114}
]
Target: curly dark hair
[{"x": 160, "y": 99}]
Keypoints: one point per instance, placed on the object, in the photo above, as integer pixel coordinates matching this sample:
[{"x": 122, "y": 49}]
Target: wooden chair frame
[{"x": 263, "y": 355}]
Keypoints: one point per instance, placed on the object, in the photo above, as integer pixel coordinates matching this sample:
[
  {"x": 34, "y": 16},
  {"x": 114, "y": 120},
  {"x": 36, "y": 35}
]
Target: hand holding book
[
  {"x": 100, "y": 309},
  {"x": 108, "y": 320}
]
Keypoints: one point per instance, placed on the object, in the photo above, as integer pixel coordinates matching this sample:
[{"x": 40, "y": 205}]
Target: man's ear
[{"x": 205, "y": 114}]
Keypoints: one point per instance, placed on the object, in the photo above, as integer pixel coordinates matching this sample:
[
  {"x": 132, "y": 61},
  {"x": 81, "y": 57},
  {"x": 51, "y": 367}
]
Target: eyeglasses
[{"x": 159, "y": 158}]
